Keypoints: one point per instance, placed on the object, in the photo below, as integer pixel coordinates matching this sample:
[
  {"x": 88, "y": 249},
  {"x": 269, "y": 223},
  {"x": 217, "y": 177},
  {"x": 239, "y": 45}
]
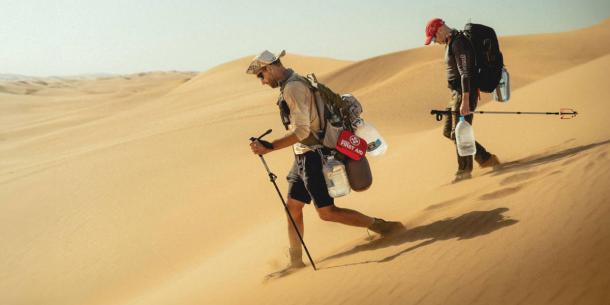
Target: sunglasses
[{"x": 260, "y": 74}]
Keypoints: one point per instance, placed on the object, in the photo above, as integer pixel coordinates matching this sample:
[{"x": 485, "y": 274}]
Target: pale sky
[{"x": 69, "y": 37}]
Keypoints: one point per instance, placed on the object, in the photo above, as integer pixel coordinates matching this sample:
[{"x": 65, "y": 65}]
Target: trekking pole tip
[{"x": 567, "y": 113}]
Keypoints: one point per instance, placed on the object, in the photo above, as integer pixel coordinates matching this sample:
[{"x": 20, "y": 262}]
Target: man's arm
[
  {"x": 465, "y": 107},
  {"x": 298, "y": 97},
  {"x": 464, "y": 58},
  {"x": 283, "y": 142}
]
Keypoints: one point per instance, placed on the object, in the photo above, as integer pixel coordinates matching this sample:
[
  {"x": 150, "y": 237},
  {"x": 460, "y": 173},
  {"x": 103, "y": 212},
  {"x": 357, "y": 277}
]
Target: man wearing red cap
[{"x": 460, "y": 59}]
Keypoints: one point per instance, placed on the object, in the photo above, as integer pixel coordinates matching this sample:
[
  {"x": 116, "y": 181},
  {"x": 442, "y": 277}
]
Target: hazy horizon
[{"x": 71, "y": 38}]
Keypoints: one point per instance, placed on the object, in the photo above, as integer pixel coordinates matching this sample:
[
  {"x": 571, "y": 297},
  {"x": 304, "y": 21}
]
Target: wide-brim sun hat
[{"x": 263, "y": 59}]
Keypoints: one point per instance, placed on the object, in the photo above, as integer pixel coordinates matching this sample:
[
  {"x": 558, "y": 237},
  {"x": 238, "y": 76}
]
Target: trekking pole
[
  {"x": 272, "y": 178},
  {"x": 564, "y": 113}
]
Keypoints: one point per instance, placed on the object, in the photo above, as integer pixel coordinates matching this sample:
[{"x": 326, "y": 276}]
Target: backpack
[
  {"x": 336, "y": 112},
  {"x": 489, "y": 61}
]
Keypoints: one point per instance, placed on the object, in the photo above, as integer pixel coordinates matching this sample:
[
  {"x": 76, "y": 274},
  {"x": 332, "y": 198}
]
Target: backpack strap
[
  {"x": 314, "y": 139},
  {"x": 284, "y": 111},
  {"x": 472, "y": 48},
  {"x": 455, "y": 36},
  {"x": 313, "y": 85}
]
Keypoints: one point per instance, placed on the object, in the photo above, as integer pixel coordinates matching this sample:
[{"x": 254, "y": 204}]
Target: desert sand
[{"x": 141, "y": 189}]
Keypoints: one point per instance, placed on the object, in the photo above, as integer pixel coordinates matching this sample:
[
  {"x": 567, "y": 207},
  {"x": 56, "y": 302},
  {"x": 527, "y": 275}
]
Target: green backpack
[{"x": 336, "y": 112}]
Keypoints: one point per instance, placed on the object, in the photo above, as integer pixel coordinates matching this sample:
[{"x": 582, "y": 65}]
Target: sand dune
[
  {"x": 526, "y": 232},
  {"x": 142, "y": 190}
]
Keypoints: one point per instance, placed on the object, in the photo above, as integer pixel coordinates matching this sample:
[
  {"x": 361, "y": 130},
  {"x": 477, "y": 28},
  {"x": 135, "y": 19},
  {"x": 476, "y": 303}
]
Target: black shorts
[{"x": 306, "y": 180}]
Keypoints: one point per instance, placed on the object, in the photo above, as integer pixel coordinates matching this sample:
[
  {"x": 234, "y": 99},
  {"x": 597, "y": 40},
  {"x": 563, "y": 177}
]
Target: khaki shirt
[{"x": 304, "y": 118}]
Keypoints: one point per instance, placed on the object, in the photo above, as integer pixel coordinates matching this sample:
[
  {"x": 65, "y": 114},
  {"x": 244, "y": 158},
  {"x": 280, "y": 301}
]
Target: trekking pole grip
[
  {"x": 439, "y": 114},
  {"x": 272, "y": 176},
  {"x": 252, "y": 139}
]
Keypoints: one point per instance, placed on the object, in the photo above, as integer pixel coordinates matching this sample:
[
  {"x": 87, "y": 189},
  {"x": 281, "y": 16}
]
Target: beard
[{"x": 274, "y": 84}]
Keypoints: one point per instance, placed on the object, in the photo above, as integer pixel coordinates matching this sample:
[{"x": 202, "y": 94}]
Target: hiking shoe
[
  {"x": 460, "y": 176},
  {"x": 493, "y": 161},
  {"x": 385, "y": 228}
]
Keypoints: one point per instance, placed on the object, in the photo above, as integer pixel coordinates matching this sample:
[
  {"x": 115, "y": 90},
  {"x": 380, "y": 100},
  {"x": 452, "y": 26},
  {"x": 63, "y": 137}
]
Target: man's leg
[
  {"x": 482, "y": 156},
  {"x": 448, "y": 126},
  {"x": 295, "y": 208},
  {"x": 464, "y": 163},
  {"x": 357, "y": 219},
  {"x": 344, "y": 216},
  {"x": 297, "y": 198},
  {"x": 315, "y": 184}
]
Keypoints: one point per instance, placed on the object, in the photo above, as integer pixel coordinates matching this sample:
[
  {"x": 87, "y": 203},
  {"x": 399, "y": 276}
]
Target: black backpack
[{"x": 488, "y": 58}]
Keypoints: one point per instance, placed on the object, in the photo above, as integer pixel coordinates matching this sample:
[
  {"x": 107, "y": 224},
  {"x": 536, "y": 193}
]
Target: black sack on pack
[{"x": 488, "y": 58}]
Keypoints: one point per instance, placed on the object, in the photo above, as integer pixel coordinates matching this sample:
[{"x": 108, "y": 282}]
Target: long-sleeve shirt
[
  {"x": 460, "y": 59},
  {"x": 304, "y": 118}
]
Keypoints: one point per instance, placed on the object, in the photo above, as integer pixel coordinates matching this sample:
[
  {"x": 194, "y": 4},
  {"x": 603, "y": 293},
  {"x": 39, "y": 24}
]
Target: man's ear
[{"x": 273, "y": 70}]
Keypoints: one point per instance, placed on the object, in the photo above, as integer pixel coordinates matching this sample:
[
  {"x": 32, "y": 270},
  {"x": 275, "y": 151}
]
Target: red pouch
[{"x": 351, "y": 145}]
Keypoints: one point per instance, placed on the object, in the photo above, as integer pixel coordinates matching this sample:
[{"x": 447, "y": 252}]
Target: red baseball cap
[{"x": 432, "y": 27}]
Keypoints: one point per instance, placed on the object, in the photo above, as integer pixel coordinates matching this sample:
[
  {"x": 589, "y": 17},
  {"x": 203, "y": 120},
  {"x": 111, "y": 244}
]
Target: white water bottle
[
  {"x": 464, "y": 137},
  {"x": 376, "y": 145},
  {"x": 335, "y": 177},
  {"x": 502, "y": 92}
]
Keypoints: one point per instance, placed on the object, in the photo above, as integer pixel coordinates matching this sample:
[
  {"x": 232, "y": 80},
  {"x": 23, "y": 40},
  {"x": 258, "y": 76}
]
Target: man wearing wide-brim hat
[{"x": 305, "y": 179}]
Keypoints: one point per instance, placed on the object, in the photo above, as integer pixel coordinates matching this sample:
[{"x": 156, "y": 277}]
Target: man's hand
[
  {"x": 261, "y": 147},
  {"x": 465, "y": 107}
]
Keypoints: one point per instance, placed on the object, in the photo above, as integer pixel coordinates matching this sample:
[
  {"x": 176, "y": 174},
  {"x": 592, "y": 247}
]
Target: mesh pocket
[{"x": 331, "y": 134}]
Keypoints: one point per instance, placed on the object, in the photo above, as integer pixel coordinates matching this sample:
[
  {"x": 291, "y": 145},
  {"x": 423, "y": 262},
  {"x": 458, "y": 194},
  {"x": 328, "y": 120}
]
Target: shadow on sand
[
  {"x": 467, "y": 226},
  {"x": 543, "y": 158}
]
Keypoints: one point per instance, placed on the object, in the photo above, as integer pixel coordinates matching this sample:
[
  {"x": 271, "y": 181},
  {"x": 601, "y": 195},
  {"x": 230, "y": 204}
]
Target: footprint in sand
[
  {"x": 573, "y": 158},
  {"x": 280, "y": 274},
  {"x": 600, "y": 157},
  {"x": 554, "y": 173},
  {"x": 589, "y": 166},
  {"x": 445, "y": 203},
  {"x": 516, "y": 178},
  {"x": 500, "y": 193}
]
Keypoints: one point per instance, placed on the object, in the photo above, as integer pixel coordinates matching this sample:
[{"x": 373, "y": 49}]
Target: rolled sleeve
[{"x": 298, "y": 98}]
